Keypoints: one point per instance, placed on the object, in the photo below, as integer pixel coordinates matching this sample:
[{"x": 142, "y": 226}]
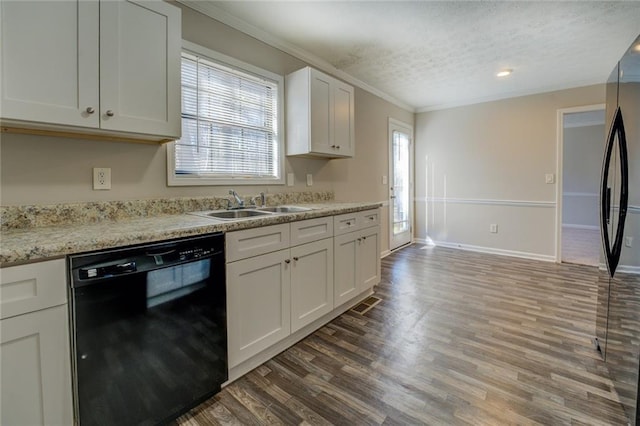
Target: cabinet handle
[
  {"x": 90, "y": 110},
  {"x": 109, "y": 113},
  {"x": 287, "y": 261},
  {"x": 295, "y": 258}
]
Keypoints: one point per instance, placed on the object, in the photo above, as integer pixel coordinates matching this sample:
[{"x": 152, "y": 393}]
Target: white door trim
[
  {"x": 559, "y": 160},
  {"x": 408, "y": 128}
]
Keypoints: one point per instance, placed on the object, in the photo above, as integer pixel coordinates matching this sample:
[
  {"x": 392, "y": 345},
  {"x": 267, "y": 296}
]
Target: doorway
[
  {"x": 580, "y": 151},
  {"x": 401, "y": 183}
]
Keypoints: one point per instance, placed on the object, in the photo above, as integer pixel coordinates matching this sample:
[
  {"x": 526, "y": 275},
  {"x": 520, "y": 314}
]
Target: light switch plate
[
  {"x": 309, "y": 179},
  {"x": 493, "y": 228},
  {"x": 289, "y": 179},
  {"x": 385, "y": 181},
  {"x": 549, "y": 178}
]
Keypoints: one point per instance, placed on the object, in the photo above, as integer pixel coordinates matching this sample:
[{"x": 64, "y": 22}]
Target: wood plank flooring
[{"x": 459, "y": 338}]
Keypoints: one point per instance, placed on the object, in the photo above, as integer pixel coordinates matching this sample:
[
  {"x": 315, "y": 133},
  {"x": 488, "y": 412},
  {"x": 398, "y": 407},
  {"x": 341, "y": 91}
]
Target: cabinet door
[
  {"x": 140, "y": 67},
  {"x": 345, "y": 267},
  {"x": 343, "y": 111},
  {"x": 36, "y": 373},
  {"x": 258, "y": 304},
  {"x": 369, "y": 257},
  {"x": 32, "y": 287},
  {"x": 311, "y": 282},
  {"x": 321, "y": 112},
  {"x": 49, "y": 62}
]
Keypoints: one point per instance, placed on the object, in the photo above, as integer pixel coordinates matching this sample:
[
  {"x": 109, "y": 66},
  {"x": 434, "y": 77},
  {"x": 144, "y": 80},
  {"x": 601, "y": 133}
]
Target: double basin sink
[{"x": 250, "y": 212}]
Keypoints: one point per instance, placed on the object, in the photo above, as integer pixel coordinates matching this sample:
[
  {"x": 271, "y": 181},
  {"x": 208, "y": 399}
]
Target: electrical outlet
[
  {"x": 628, "y": 241},
  {"x": 309, "y": 179},
  {"x": 493, "y": 228},
  {"x": 290, "y": 179},
  {"x": 549, "y": 178},
  {"x": 101, "y": 178}
]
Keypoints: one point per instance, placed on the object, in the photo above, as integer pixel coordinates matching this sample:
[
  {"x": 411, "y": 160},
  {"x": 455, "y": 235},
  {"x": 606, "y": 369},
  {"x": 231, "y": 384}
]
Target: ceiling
[{"x": 426, "y": 55}]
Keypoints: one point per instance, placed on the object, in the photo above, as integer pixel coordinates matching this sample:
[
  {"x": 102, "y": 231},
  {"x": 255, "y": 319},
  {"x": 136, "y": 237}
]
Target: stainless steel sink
[
  {"x": 232, "y": 214},
  {"x": 284, "y": 209}
]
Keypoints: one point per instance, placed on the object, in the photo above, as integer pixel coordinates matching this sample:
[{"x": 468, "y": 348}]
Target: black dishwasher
[{"x": 149, "y": 330}]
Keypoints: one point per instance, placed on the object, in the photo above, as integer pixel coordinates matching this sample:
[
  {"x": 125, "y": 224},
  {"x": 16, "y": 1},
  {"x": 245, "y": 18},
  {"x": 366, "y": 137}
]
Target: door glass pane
[{"x": 400, "y": 182}]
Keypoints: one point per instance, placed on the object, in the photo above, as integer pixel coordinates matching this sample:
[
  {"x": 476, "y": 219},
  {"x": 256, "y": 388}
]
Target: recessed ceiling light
[{"x": 504, "y": 73}]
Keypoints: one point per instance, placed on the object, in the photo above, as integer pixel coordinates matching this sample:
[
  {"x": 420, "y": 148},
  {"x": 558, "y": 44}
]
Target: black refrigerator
[{"x": 618, "y": 312}]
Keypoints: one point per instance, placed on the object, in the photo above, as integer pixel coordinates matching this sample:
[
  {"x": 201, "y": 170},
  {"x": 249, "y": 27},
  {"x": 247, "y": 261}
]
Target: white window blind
[{"x": 229, "y": 123}]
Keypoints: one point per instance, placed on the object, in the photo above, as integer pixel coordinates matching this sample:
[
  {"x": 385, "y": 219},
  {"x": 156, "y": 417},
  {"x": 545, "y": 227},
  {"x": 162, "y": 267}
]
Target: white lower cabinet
[
  {"x": 258, "y": 304},
  {"x": 357, "y": 254},
  {"x": 369, "y": 257},
  {"x": 35, "y": 384},
  {"x": 311, "y": 282},
  {"x": 282, "y": 278},
  {"x": 357, "y": 263}
]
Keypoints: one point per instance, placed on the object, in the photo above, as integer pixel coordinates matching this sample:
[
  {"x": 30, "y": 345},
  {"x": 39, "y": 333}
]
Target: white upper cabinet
[
  {"x": 49, "y": 61},
  {"x": 320, "y": 115},
  {"x": 140, "y": 67},
  {"x": 109, "y": 68}
]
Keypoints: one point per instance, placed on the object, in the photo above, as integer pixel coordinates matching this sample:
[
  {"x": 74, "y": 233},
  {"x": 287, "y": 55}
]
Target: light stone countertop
[{"x": 27, "y": 245}]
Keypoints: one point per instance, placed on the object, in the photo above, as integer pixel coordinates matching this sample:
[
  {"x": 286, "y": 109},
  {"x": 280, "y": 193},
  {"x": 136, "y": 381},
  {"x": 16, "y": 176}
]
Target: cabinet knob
[
  {"x": 109, "y": 113},
  {"x": 338, "y": 146},
  {"x": 364, "y": 238},
  {"x": 90, "y": 110},
  {"x": 359, "y": 239},
  {"x": 287, "y": 261},
  {"x": 349, "y": 223},
  {"x": 295, "y": 258}
]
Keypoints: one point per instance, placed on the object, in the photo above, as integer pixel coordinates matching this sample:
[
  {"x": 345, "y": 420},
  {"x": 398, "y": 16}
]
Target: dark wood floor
[{"x": 458, "y": 338}]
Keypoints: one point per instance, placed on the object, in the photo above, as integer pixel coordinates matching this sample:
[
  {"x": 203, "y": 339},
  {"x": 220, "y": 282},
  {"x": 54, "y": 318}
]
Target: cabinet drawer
[
  {"x": 256, "y": 241},
  {"x": 28, "y": 288},
  {"x": 344, "y": 223},
  {"x": 369, "y": 218},
  {"x": 310, "y": 230}
]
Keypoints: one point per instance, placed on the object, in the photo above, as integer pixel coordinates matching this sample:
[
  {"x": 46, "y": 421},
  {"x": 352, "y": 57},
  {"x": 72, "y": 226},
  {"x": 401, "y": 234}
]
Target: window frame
[{"x": 174, "y": 179}]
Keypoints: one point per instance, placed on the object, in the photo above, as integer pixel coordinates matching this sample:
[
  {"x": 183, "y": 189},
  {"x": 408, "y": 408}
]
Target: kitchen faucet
[
  {"x": 239, "y": 200},
  {"x": 263, "y": 200}
]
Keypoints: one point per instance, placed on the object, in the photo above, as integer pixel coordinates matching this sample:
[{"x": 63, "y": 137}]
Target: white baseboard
[
  {"x": 576, "y": 226},
  {"x": 385, "y": 253},
  {"x": 635, "y": 270},
  {"x": 489, "y": 250}
]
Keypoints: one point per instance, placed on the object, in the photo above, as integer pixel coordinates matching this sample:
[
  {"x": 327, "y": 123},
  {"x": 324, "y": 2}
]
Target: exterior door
[{"x": 401, "y": 183}]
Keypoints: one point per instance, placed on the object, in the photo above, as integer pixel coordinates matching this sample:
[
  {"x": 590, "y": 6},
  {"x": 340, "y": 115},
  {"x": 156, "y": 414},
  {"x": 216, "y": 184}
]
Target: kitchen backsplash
[{"x": 34, "y": 216}]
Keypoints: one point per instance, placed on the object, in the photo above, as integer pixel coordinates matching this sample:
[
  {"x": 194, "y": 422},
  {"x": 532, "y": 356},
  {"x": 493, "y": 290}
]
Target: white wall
[
  {"x": 485, "y": 164},
  {"x": 583, "y": 150}
]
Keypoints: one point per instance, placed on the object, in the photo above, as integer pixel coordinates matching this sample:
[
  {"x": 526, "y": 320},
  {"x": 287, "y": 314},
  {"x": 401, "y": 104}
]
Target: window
[{"x": 231, "y": 123}]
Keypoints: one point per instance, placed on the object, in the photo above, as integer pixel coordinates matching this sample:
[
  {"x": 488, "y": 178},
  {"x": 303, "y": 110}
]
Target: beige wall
[
  {"x": 583, "y": 149},
  {"x": 44, "y": 170},
  {"x": 485, "y": 164}
]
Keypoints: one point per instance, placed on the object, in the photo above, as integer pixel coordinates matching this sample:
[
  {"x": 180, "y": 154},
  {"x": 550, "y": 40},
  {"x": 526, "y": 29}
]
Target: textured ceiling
[{"x": 430, "y": 55}]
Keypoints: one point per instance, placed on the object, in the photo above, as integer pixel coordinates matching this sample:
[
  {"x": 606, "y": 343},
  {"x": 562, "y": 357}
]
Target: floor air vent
[{"x": 364, "y": 306}]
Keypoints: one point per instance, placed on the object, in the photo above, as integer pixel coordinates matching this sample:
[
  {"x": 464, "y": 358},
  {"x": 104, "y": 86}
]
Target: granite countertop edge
[{"x": 29, "y": 245}]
